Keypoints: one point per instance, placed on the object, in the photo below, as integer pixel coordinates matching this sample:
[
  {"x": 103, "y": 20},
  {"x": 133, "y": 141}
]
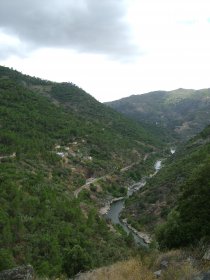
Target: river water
[
  {"x": 172, "y": 150},
  {"x": 117, "y": 206}
]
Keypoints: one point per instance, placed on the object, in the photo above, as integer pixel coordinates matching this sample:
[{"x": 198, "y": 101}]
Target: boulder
[
  {"x": 24, "y": 272},
  {"x": 206, "y": 256},
  {"x": 203, "y": 276},
  {"x": 164, "y": 264},
  {"x": 158, "y": 273}
]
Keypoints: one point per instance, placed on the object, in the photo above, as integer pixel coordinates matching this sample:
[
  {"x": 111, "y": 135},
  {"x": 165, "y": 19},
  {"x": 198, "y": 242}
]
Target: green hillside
[
  {"x": 182, "y": 113},
  {"x": 178, "y": 194},
  {"x": 62, "y": 113},
  {"x": 63, "y": 155},
  {"x": 54, "y": 137}
]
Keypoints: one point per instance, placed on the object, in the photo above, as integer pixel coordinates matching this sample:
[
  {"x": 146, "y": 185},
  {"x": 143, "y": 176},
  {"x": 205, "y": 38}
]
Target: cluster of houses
[{"x": 71, "y": 150}]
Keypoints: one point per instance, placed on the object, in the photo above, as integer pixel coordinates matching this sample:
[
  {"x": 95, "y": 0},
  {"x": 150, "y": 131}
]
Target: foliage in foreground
[
  {"x": 189, "y": 222},
  {"x": 172, "y": 265}
]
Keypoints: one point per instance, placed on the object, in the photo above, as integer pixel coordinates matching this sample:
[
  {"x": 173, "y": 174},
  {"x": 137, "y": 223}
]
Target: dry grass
[
  {"x": 181, "y": 265},
  {"x": 127, "y": 270},
  {"x": 135, "y": 269},
  {"x": 173, "y": 257},
  {"x": 184, "y": 272}
]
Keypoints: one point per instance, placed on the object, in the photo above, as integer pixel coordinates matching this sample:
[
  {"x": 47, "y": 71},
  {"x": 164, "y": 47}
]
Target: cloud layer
[{"x": 84, "y": 25}]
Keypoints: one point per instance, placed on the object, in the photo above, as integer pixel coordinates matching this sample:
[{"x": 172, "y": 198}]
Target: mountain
[
  {"x": 182, "y": 112},
  {"x": 54, "y": 138},
  {"x": 37, "y": 114},
  {"x": 63, "y": 156},
  {"x": 176, "y": 200}
]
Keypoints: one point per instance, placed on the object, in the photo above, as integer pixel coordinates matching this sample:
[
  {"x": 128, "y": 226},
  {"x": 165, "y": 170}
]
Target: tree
[
  {"x": 6, "y": 259},
  {"x": 76, "y": 260},
  {"x": 189, "y": 222}
]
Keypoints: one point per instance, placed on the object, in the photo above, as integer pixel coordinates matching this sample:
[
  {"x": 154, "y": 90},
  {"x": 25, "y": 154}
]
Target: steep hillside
[
  {"x": 67, "y": 112},
  {"x": 182, "y": 112},
  {"x": 63, "y": 155},
  {"x": 180, "y": 194},
  {"x": 53, "y": 138}
]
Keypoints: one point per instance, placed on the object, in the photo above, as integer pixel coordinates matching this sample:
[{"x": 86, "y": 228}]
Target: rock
[
  {"x": 206, "y": 276},
  {"x": 158, "y": 273},
  {"x": 164, "y": 264},
  {"x": 104, "y": 210},
  {"x": 147, "y": 239},
  {"x": 203, "y": 276},
  {"x": 206, "y": 256},
  {"x": 24, "y": 272}
]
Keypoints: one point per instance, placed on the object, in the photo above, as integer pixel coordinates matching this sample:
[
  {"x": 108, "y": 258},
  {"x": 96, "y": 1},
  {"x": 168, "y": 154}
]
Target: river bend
[{"x": 116, "y": 208}]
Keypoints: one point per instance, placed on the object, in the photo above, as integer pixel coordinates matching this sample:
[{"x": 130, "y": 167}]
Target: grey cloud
[
  {"x": 6, "y": 51},
  {"x": 95, "y": 26}
]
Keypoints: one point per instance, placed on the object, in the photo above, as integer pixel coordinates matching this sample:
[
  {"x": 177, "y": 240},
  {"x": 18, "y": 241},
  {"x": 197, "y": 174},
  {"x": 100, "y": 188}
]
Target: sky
[{"x": 110, "y": 48}]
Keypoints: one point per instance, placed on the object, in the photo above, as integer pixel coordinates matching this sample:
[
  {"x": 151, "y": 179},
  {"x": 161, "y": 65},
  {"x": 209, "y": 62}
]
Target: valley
[
  {"x": 116, "y": 206},
  {"x": 85, "y": 187}
]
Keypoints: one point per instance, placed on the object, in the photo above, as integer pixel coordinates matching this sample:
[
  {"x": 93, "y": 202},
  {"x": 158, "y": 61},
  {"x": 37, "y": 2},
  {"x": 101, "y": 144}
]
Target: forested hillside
[
  {"x": 63, "y": 155},
  {"x": 182, "y": 113},
  {"x": 54, "y": 137},
  {"x": 179, "y": 194}
]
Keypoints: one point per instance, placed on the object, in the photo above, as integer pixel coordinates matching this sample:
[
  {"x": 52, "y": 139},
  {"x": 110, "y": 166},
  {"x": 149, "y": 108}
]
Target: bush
[
  {"x": 76, "y": 260},
  {"x": 6, "y": 259},
  {"x": 190, "y": 222}
]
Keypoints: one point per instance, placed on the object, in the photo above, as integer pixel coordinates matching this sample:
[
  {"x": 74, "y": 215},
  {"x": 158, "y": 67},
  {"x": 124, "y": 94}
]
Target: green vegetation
[
  {"x": 36, "y": 115},
  {"x": 189, "y": 222},
  {"x": 41, "y": 224},
  {"x": 177, "y": 114},
  {"x": 172, "y": 265},
  {"x": 53, "y": 137},
  {"x": 176, "y": 200}
]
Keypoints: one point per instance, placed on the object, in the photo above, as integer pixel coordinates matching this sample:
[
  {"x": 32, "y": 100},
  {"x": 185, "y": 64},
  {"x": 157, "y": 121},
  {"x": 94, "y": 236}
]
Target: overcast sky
[{"x": 110, "y": 48}]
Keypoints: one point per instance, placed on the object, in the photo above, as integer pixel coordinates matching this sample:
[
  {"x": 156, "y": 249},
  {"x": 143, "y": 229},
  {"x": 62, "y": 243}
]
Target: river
[
  {"x": 116, "y": 208},
  {"x": 172, "y": 150}
]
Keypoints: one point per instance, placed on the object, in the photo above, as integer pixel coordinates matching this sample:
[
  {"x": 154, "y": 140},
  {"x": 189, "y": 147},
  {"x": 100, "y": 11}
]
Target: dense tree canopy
[{"x": 189, "y": 222}]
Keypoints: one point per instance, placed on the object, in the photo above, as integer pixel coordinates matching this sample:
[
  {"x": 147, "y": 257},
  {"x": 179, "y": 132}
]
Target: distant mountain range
[{"x": 182, "y": 112}]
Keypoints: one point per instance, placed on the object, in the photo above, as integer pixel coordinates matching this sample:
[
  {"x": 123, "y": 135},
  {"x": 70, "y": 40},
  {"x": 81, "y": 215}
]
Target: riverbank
[
  {"x": 104, "y": 210},
  {"x": 113, "y": 208},
  {"x": 145, "y": 236}
]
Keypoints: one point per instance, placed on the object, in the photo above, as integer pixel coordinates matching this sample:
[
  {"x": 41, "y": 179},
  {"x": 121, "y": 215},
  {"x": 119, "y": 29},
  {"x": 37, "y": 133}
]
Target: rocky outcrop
[
  {"x": 203, "y": 276},
  {"x": 24, "y": 272},
  {"x": 105, "y": 209},
  {"x": 158, "y": 273},
  {"x": 206, "y": 256}
]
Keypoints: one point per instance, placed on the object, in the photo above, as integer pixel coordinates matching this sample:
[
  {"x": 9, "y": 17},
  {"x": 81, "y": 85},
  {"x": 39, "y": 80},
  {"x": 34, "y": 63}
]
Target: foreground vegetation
[{"x": 171, "y": 265}]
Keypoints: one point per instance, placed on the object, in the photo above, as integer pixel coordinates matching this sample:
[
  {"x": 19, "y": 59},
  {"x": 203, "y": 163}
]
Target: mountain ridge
[{"x": 181, "y": 112}]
